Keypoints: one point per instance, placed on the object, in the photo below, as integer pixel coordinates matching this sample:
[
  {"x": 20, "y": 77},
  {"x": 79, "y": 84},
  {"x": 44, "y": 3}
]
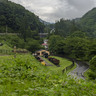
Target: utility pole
[
  {"x": 14, "y": 51},
  {"x": 6, "y": 29}
]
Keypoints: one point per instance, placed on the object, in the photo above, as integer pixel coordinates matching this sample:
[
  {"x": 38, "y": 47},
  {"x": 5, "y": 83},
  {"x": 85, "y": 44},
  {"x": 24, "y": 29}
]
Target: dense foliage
[
  {"x": 25, "y": 76},
  {"x": 19, "y": 20},
  {"x": 76, "y": 38},
  {"x": 14, "y": 18},
  {"x": 86, "y": 24},
  {"x": 65, "y": 27},
  {"x": 75, "y": 47},
  {"x": 31, "y": 44},
  {"x": 92, "y": 72}
]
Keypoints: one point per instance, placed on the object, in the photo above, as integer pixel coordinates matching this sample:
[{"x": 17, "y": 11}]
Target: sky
[{"x": 53, "y": 10}]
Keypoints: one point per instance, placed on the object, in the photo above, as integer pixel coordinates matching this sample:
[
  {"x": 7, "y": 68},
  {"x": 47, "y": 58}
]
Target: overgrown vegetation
[
  {"x": 24, "y": 75},
  {"x": 92, "y": 72},
  {"x": 31, "y": 44}
]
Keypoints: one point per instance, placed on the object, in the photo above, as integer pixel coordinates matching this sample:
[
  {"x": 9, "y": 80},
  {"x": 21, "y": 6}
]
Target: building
[
  {"x": 42, "y": 52},
  {"x": 45, "y": 44}
]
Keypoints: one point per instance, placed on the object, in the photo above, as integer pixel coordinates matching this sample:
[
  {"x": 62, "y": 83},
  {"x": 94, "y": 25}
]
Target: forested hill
[
  {"x": 18, "y": 19},
  {"x": 85, "y": 25},
  {"x": 88, "y": 22}
]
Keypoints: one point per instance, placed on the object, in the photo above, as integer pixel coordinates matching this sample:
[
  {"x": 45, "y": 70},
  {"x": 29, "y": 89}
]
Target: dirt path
[{"x": 47, "y": 64}]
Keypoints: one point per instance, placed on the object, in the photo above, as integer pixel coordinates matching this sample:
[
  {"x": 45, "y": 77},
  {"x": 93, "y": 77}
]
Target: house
[{"x": 45, "y": 44}]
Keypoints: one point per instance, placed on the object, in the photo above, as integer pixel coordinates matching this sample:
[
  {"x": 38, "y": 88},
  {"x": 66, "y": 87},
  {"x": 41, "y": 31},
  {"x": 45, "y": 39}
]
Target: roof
[
  {"x": 42, "y": 50},
  {"x": 44, "y": 44}
]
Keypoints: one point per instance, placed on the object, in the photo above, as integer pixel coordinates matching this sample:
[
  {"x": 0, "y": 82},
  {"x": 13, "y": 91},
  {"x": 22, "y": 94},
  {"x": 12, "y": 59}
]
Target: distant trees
[
  {"x": 65, "y": 27},
  {"x": 86, "y": 24},
  {"x": 52, "y": 43},
  {"x": 32, "y": 45},
  {"x": 75, "y": 47},
  {"x": 19, "y": 20}
]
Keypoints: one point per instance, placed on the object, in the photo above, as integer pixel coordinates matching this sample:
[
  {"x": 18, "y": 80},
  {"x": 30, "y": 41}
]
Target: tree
[
  {"x": 65, "y": 27},
  {"x": 76, "y": 47},
  {"x": 78, "y": 34},
  {"x": 19, "y": 20},
  {"x": 60, "y": 47},
  {"x": 53, "y": 42},
  {"x": 32, "y": 45}
]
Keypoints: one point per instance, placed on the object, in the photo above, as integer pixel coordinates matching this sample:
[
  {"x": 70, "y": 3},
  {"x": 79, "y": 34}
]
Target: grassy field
[
  {"x": 63, "y": 64},
  {"x": 25, "y": 76}
]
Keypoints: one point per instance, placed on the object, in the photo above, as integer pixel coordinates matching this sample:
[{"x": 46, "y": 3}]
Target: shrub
[
  {"x": 93, "y": 63},
  {"x": 92, "y": 74}
]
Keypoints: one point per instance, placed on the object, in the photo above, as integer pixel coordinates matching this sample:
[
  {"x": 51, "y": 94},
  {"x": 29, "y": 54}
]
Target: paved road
[{"x": 79, "y": 70}]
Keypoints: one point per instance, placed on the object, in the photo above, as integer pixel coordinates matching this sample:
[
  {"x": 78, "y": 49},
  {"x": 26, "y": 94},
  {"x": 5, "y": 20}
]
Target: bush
[
  {"x": 92, "y": 74},
  {"x": 93, "y": 63}
]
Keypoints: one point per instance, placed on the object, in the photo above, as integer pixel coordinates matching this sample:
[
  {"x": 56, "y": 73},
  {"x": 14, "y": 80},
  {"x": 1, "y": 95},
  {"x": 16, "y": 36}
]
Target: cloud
[
  {"x": 51, "y": 10},
  {"x": 75, "y": 8}
]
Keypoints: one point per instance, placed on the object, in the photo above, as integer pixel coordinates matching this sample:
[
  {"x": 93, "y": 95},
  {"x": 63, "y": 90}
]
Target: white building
[{"x": 45, "y": 44}]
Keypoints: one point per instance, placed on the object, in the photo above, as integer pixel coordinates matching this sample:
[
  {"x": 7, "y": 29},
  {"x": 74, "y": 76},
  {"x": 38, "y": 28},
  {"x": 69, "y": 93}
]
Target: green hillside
[
  {"x": 18, "y": 20},
  {"x": 25, "y": 76},
  {"x": 14, "y": 18},
  {"x": 88, "y": 23}
]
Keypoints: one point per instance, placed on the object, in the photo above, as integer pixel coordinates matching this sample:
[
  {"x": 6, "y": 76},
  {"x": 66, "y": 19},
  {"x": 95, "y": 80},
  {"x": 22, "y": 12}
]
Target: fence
[{"x": 9, "y": 52}]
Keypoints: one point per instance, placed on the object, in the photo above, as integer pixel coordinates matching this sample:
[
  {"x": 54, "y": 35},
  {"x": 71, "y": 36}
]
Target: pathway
[
  {"x": 47, "y": 64},
  {"x": 78, "y": 72}
]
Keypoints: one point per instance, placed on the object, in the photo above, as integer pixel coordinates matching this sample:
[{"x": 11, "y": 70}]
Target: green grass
[
  {"x": 63, "y": 64},
  {"x": 25, "y": 76}
]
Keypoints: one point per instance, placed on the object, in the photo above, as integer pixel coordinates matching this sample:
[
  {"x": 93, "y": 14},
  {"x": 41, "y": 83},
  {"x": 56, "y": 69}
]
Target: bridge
[{"x": 42, "y": 35}]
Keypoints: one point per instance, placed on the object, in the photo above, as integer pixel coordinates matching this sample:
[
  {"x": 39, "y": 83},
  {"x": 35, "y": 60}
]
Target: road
[{"x": 79, "y": 70}]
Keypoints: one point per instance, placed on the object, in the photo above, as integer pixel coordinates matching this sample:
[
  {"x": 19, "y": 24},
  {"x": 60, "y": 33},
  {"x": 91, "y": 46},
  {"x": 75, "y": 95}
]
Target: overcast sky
[{"x": 52, "y": 10}]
